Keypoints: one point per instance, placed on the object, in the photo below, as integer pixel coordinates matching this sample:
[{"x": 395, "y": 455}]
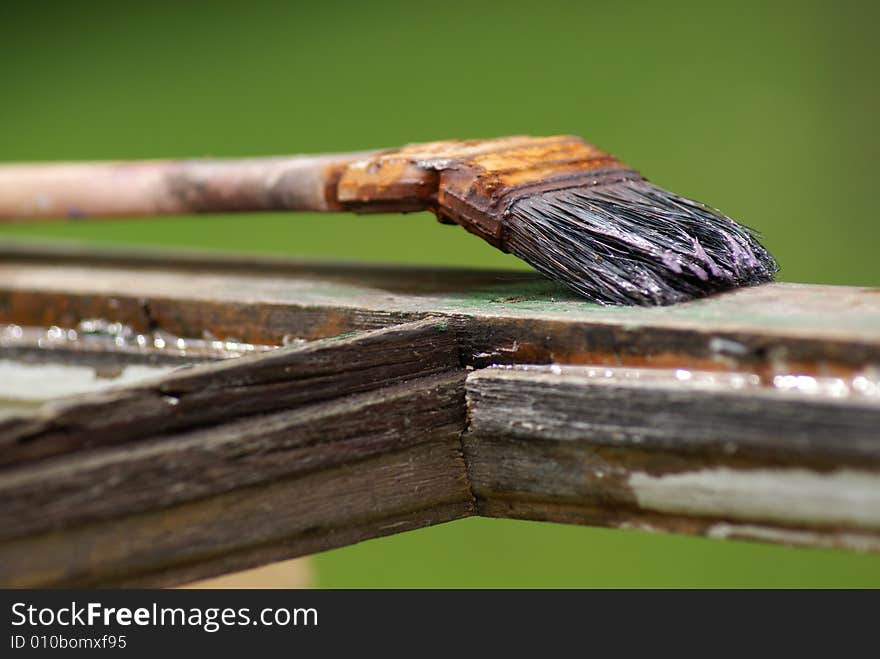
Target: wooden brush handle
[
  {"x": 468, "y": 182},
  {"x": 156, "y": 187}
]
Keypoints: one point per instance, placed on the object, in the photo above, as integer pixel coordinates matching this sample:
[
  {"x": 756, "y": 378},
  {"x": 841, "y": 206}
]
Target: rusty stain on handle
[
  {"x": 472, "y": 182},
  {"x": 467, "y": 182}
]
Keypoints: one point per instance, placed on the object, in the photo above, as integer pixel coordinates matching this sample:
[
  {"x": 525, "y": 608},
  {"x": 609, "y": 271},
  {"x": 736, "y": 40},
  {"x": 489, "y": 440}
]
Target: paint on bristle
[
  {"x": 572, "y": 211},
  {"x": 631, "y": 242}
]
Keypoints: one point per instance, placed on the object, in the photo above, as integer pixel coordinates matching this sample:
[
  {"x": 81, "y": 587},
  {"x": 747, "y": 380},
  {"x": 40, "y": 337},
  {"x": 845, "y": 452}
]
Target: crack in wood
[{"x": 380, "y": 423}]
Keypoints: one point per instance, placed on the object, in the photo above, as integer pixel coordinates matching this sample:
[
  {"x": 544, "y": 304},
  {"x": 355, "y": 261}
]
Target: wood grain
[
  {"x": 637, "y": 449},
  {"x": 168, "y": 469},
  {"x": 421, "y": 396},
  {"x": 209, "y": 393},
  {"x": 504, "y": 317},
  {"x": 693, "y": 412},
  {"x": 284, "y": 518}
]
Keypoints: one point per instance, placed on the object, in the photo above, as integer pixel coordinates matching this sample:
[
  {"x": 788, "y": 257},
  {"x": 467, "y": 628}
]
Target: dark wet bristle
[{"x": 630, "y": 242}]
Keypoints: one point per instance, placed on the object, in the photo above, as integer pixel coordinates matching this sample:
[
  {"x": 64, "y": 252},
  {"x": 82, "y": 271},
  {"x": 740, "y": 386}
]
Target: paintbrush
[{"x": 572, "y": 211}]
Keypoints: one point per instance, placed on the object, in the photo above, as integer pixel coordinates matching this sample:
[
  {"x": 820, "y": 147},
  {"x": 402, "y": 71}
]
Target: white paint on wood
[
  {"x": 845, "y": 497},
  {"x": 854, "y": 541},
  {"x": 37, "y": 382}
]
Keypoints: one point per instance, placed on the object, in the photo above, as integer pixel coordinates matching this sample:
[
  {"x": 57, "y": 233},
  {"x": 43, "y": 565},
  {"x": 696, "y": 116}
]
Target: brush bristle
[{"x": 630, "y": 242}]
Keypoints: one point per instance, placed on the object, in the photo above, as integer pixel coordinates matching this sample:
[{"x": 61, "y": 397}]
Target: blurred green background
[{"x": 763, "y": 109}]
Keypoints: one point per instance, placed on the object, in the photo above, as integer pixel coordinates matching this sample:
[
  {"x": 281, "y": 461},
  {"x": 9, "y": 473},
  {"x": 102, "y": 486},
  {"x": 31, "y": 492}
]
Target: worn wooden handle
[
  {"x": 161, "y": 187},
  {"x": 466, "y": 182}
]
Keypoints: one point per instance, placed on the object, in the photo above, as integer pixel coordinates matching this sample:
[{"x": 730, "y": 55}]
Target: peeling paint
[
  {"x": 44, "y": 381},
  {"x": 845, "y": 497},
  {"x": 853, "y": 541}
]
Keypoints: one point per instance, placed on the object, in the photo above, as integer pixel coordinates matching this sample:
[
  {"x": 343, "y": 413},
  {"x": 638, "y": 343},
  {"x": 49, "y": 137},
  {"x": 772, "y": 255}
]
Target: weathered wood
[
  {"x": 420, "y": 485},
  {"x": 695, "y": 412},
  {"x": 169, "y": 469},
  {"x": 698, "y": 452},
  {"x": 766, "y": 426},
  {"x": 505, "y": 317},
  {"x": 291, "y": 451},
  {"x": 249, "y": 385},
  {"x": 101, "y": 343}
]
